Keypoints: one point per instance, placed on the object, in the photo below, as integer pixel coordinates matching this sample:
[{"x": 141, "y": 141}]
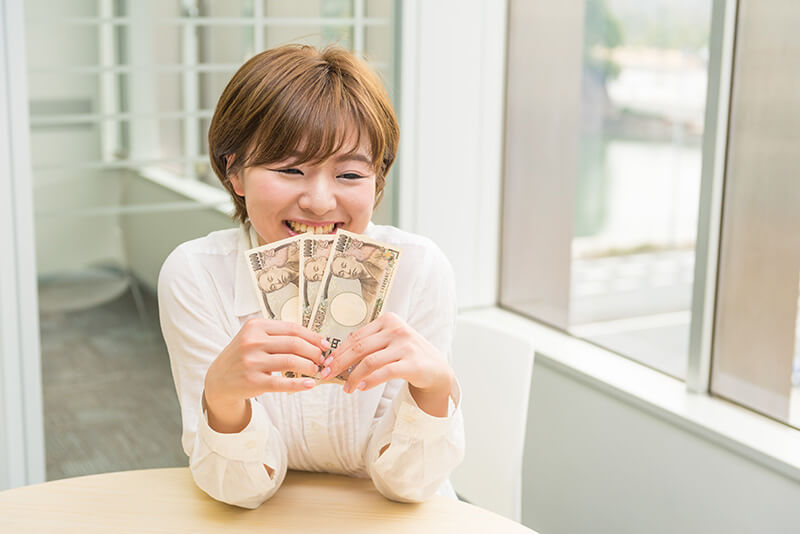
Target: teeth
[{"x": 302, "y": 228}]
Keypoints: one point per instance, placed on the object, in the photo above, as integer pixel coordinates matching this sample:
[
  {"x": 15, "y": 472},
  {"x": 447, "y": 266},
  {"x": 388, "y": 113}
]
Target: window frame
[
  {"x": 712, "y": 184},
  {"x": 22, "y": 457}
]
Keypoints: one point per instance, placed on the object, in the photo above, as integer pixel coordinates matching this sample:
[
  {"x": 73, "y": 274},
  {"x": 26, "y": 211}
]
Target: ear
[
  {"x": 235, "y": 178},
  {"x": 236, "y": 182}
]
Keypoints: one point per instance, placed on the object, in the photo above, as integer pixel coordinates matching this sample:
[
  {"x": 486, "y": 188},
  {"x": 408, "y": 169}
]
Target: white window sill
[
  {"x": 768, "y": 442},
  {"x": 201, "y": 195}
]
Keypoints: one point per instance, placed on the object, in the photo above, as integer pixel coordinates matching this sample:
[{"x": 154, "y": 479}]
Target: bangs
[{"x": 315, "y": 116}]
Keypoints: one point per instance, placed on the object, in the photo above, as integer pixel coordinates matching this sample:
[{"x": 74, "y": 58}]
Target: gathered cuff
[
  {"x": 412, "y": 421},
  {"x": 248, "y": 445}
]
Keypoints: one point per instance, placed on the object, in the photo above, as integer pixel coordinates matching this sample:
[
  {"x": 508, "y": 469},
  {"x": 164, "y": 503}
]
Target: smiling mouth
[{"x": 301, "y": 228}]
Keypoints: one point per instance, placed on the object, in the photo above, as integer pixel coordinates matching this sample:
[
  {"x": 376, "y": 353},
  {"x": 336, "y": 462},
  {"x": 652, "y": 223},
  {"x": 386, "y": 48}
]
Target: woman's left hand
[{"x": 388, "y": 348}]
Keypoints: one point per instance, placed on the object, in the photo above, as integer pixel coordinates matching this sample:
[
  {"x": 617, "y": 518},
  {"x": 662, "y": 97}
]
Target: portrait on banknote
[
  {"x": 314, "y": 253},
  {"x": 275, "y": 271}
]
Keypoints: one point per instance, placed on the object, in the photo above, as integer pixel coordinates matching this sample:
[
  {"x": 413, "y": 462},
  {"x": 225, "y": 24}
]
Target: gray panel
[
  {"x": 760, "y": 248},
  {"x": 541, "y": 154}
]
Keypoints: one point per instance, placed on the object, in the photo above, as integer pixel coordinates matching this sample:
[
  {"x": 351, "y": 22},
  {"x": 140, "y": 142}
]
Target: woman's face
[{"x": 288, "y": 198}]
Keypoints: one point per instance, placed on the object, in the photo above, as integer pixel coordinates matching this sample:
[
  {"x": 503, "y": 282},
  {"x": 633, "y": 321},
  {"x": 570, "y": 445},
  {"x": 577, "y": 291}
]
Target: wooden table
[{"x": 167, "y": 501}]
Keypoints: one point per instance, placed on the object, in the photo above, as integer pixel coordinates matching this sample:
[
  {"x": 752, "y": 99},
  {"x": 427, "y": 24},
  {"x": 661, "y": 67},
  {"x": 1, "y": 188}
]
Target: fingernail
[
  {"x": 325, "y": 372},
  {"x": 325, "y": 343},
  {"x": 329, "y": 360},
  {"x": 362, "y": 386},
  {"x": 309, "y": 382},
  {"x": 347, "y": 388}
]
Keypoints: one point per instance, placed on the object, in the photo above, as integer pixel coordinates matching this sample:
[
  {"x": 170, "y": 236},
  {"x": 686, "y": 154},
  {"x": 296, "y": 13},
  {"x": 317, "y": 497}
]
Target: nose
[{"x": 319, "y": 197}]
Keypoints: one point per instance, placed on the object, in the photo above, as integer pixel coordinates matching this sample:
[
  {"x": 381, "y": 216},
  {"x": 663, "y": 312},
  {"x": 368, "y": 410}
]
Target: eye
[
  {"x": 350, "y": 176},
  {"x": 290, "y": 171}
]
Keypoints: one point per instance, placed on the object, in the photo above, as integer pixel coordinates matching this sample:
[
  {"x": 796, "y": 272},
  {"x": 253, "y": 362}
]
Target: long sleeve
[
  {"x": 423, "y": 449},
  {"x": 196, "y": 328}
]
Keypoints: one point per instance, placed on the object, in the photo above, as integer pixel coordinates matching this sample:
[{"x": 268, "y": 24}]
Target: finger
[
  {"x": 395, "y": 369},
  {"x": 372, "y": 364},
  {"x": 353, "y": 354},
  {"x": 289, "y": 362},
  {"x": 367, "y": 330},
  {"x": 293, "y": 345},
  {"x": 285, "y": 328},
  {"x": 282, "y": 383}
]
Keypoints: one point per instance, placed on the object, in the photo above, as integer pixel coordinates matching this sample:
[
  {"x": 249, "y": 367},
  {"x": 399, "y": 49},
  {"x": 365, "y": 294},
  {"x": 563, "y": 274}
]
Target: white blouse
[{"x": 205, "y": 295}]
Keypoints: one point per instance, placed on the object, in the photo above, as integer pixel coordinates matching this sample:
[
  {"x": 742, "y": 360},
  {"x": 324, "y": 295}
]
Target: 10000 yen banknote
[
  {"x": 354, "y": 287},
  {"x": 275, "y": 270},
  {"x": 314, "y": 253}
]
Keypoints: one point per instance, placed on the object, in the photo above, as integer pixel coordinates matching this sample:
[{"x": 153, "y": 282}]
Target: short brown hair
[{"x": 295, "y": 100}]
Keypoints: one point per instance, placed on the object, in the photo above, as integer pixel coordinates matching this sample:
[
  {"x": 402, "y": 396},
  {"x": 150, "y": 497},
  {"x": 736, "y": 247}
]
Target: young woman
[{"x": 303, "y": 139}]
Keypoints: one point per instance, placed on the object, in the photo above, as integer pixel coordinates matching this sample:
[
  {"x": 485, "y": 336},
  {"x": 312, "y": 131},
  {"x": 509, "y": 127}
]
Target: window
[
  {"x": 620, "y": 270},
  {"x": 608, "y": 157}
]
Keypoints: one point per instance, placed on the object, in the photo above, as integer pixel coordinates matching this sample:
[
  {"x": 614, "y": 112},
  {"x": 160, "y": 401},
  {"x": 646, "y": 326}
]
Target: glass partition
[{"x": 121, "y": 96}]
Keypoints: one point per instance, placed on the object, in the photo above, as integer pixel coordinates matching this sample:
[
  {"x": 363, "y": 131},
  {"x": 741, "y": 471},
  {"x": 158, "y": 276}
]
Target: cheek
[
  {"x": 362, "y": 201},
  {"x": 269, "y": 194},
  {"x": 267, "y": 206}
]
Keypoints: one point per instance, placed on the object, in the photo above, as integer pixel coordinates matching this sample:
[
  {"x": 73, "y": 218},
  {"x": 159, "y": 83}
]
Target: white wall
[
  {"x": 451, "y": 117},
  {"x": 613, "y": 446},
  {"x": 595, "y": 463}
]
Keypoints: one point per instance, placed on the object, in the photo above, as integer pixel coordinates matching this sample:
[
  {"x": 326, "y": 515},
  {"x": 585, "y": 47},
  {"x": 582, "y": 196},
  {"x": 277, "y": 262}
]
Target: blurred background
[{"x": 620, "y": 172}]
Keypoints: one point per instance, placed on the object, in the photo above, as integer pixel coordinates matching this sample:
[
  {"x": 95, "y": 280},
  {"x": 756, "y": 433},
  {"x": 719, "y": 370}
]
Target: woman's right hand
[{"x": 244, "y": 369}]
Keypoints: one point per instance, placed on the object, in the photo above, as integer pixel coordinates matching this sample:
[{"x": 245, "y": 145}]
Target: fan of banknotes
[{"x": 332, "y": 284}]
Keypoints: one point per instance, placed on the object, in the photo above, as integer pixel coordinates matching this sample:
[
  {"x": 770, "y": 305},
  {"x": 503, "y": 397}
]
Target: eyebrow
[
  {"x": 341, "y": 158},
  {"x": 358, "y": 156}
]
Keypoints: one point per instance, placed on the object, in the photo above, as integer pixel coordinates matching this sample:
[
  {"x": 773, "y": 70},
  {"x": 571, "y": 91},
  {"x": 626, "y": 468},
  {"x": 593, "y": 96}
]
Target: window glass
[
  {"x": 380, "y": 8},
  {"x": 611, "y": 231},
  {"x": 309, "y": 8},
  {"x": 311, "y": 35},
  {"x": 638, "y": 182}
]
